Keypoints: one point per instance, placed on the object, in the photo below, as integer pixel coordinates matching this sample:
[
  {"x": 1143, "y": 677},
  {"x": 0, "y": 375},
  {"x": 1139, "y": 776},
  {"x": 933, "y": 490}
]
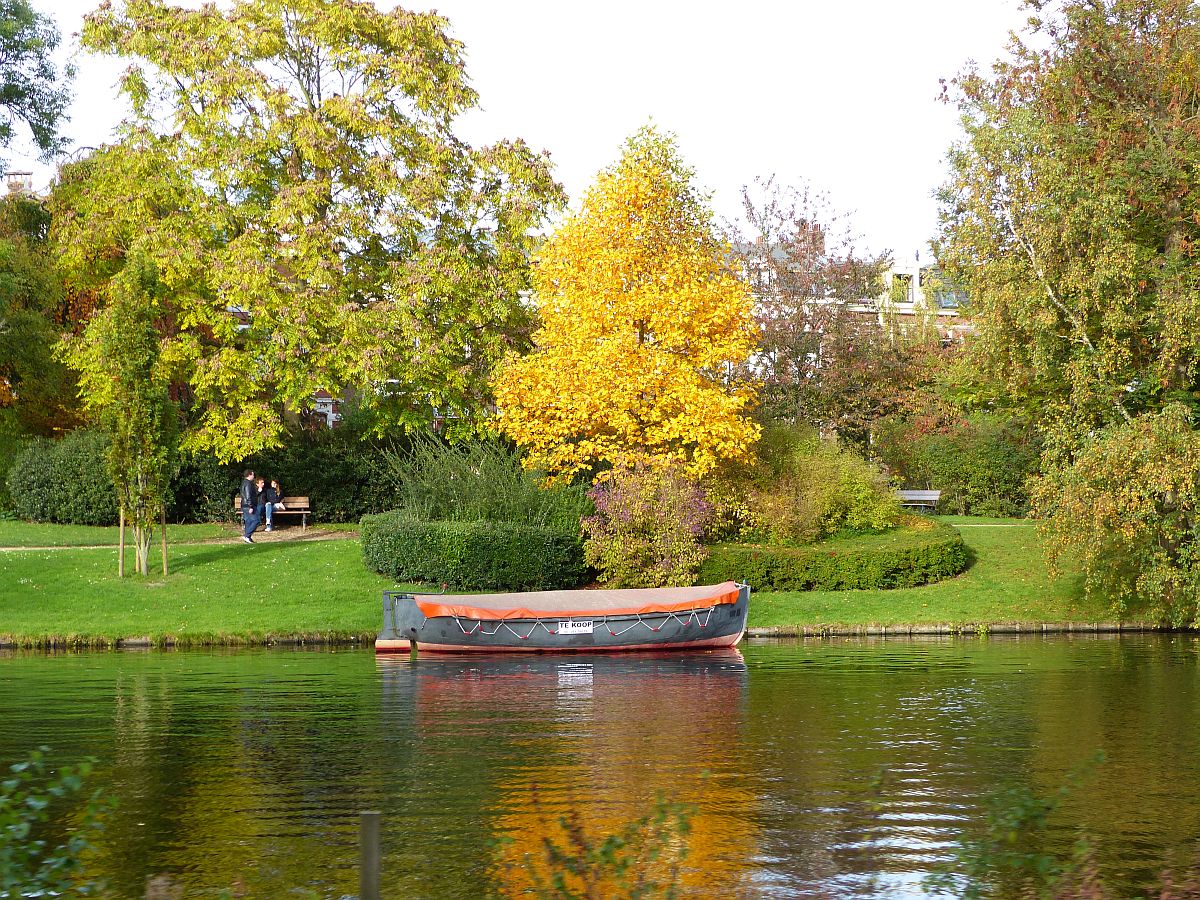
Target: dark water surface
[{"x": 838, "y": 767}]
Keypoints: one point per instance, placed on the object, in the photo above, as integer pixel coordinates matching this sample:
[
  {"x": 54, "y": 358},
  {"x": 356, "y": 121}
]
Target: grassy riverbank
[
  {"x": 233, "y": 593},
  {"x": 216, "y": 593},
  {"x": 1006, "y": 582}
]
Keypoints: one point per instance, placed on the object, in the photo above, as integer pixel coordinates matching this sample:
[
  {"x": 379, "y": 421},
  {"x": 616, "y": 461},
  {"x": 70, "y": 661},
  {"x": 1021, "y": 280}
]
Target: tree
[
  {"x": 34, "y": 92},
  {"x": 1072, "y": 218},
  {"x": 36, "y": 388},
  {"x": 824, "y": 359},
  {"x": 643, "y": 316},
  {"x": 314, "y": 221},
  {"x": 124, "y": 384}
]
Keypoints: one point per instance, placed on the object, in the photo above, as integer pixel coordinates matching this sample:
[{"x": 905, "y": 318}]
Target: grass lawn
[
  {"x": 1007, "y": 582},
  {"x": 233, "y": 593},
  {"x": 218, "y": 593},
  {"x": 35, "y": 534}
]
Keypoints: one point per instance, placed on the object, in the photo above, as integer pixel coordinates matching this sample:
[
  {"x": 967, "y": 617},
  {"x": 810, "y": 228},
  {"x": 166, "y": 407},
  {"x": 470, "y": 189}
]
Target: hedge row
[
  {"x": 908, "y": 557},
  {"x": 472, "y": 555},
  {"x": 64, "y": 481}
]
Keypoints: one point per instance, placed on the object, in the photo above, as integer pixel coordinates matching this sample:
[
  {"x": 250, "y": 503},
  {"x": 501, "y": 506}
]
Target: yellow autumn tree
[{"x": 643, "y": 315}]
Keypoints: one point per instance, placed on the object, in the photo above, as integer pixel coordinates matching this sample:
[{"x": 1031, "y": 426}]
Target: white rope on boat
[{"x": 693, "y": 615}]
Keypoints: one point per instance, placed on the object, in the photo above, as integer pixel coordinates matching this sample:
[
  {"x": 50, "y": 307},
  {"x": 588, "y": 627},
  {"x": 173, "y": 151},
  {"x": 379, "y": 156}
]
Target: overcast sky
[{"x": 841, "y": 93}]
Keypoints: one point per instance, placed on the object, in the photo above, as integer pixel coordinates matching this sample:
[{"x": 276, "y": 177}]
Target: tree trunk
[
  {"x": 164, "y": 538},
  {"x": 121, "y": 546},
  {"x": 141, "y": 542}
]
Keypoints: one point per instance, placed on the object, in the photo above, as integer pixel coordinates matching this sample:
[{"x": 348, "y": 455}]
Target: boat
[{"x": 709, "y": 616}]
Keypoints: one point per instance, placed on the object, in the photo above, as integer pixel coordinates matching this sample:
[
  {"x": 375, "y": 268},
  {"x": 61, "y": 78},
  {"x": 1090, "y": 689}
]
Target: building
[{"x": 918, "y": 298}]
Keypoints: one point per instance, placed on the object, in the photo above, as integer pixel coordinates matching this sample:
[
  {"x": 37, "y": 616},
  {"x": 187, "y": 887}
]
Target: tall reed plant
[{"x": 480, "y": 481}]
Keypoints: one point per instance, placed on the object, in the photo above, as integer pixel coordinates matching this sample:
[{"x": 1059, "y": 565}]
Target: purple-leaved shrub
[{"x": 647, "y": 528}]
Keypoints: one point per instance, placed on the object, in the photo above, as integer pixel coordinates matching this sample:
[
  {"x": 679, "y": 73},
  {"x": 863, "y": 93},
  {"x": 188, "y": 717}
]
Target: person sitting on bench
[{"x": 272, "y": 499}]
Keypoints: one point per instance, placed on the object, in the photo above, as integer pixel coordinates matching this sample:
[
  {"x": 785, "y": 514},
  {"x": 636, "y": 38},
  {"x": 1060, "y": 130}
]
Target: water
[{"x": 839, "y": 767}]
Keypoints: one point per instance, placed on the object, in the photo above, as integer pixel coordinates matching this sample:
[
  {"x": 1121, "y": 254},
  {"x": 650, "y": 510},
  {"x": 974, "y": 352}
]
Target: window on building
[{"x": 902, "y": 288}]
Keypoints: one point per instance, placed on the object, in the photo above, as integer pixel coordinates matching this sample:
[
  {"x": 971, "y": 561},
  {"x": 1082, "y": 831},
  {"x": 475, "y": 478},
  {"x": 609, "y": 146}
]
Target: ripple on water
[{"x": 840, "y": 767}]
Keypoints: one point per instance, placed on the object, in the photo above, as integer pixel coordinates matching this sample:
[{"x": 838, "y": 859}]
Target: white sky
[{"x": 842, "y": 93}]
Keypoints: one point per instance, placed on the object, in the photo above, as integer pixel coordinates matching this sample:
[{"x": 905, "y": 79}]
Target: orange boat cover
[{"x": 565, "y": 604}]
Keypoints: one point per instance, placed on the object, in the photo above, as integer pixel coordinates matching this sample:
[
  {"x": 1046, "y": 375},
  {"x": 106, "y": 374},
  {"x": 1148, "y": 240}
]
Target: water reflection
[
  {"x": 847, "y": 768},
  {"x": 607, "y": 734}
]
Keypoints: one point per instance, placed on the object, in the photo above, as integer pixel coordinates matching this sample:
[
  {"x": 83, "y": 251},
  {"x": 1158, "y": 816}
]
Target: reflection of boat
[
  {"x": 553, "y": 621},
  {"x": 596, "y": 741}
]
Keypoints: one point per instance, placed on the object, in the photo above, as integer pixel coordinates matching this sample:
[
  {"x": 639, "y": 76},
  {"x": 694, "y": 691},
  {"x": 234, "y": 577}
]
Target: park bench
[
  {"x": 920, "y": 499},
  {"x": 294, "y": 506}
]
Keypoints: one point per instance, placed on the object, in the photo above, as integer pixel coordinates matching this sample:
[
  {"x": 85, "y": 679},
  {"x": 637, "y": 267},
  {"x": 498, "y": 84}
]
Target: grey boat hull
[{"x": 406, "y": 627}]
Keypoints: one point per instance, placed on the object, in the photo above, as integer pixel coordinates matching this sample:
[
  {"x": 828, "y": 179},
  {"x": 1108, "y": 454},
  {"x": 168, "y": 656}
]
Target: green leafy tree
[
  {"x": 124, "y": 384},
  {"x": 37, "y": 389},
  {"x": 314, "y": 220},
  {"x": 1072, "y": 219},
  {"x": 34, "y": 92}
]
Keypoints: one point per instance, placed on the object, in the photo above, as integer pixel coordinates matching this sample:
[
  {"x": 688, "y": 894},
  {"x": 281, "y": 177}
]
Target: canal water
[{"x": 811, "y": 768}]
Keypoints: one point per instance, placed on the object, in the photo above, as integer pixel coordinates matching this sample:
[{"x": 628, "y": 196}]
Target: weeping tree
[
  {"x": 1072, "y": 217},
  {"x": 125, "y": 385}
]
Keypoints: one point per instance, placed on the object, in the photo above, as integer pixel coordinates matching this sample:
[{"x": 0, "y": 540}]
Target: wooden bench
[
  {"x": 920, "y": 499},
  {"x": 295, "y": 506}
]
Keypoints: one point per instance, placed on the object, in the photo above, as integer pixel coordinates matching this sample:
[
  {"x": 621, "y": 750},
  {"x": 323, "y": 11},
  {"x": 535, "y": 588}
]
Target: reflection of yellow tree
[{"x": 646, "y": 737}]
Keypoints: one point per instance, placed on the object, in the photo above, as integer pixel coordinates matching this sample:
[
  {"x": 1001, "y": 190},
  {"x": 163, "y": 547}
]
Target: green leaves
[
  {"x": 29, "y": 864},
  {"x": 33, "y": 90},
  {"x": 315, "y": 222},
  {"x": 1071, "y": 216}
]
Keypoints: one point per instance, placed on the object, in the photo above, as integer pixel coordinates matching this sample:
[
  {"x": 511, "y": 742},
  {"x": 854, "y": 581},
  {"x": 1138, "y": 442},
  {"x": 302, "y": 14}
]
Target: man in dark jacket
[{"x": 250, "y": 518}]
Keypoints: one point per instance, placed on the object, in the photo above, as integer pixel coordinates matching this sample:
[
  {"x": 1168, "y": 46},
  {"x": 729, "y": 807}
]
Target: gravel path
[{"x": 275, "y": 537}]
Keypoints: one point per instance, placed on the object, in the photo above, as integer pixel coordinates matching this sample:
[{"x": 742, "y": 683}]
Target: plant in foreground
[
  {"x": 640, "y": 860},
  {"x": 31, "y": 864}
]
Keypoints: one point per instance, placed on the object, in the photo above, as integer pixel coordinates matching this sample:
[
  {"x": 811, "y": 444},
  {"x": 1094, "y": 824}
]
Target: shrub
[
  {"x": 64, "y": 481},
  {"x": 981, "y": 464},
  {"x": 480, "y": 481},
  {"x": 903, "y": 558},
  {"x": 647, "y": 527},
  {"x": 12, "y": 443},
  {"x": 800, "y": 489},
  {"x": 341, "y": 470},
  {"x": 472, "y": 555},
  {"x": 203, "y": 490}
]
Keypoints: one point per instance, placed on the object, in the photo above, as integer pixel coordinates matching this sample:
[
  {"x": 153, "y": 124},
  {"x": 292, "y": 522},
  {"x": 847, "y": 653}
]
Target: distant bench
[
  {"x": 294, "y": 506},
  {"x": 920, "y": 499}
]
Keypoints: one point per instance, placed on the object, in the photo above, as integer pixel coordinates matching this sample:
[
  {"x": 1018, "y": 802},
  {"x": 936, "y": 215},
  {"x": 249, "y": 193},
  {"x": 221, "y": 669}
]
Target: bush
[
  {"x": 981, "y": 465},
  {"x": 203, "y": 490},
  {"x": 341, "y": 470},
  {"x": 64, "y": 481},
  {"x": 479, "y": 481},
  {"x": 12, "y": 444},
  {"x": 915, "y": 555},
  {"x": 647, "y": 527},
  {"x": 802, "y": 488},
  {"x": 472, "y": 555}
]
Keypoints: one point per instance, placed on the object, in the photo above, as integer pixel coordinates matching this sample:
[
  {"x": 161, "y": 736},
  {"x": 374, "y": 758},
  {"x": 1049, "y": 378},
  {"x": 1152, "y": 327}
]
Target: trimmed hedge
[
  {"x": 907, "y": 557},
  {"x": 472, "y": 555},
  {"x": 64, "y": 481}
]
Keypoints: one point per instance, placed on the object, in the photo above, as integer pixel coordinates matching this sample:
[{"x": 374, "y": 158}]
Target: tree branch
[{"x": 1076, "y": 322}]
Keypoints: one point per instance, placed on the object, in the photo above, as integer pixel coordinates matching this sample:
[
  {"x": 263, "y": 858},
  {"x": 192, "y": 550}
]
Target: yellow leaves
[{"x": 642, "y": 315}]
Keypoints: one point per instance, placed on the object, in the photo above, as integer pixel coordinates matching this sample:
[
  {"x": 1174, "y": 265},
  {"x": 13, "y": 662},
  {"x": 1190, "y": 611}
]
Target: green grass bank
[
  {"x": 1007, "y": 581},
  {"x": 320, "y": 590}
]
